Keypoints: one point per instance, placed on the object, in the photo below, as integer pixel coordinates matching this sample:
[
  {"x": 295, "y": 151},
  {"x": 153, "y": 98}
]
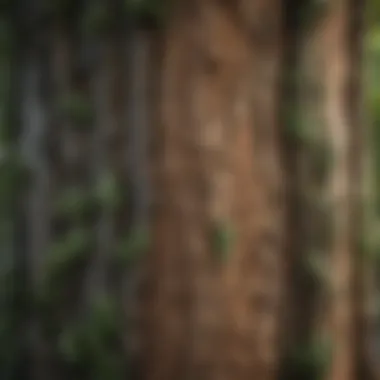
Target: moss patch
[
  {"x": 223, "y": 239},
  {"x": 133, "y": 246},
  {"x": 311, "y": 360},
  {"x": 75, "y": 205},
  {"x": 77, "y": 109}
]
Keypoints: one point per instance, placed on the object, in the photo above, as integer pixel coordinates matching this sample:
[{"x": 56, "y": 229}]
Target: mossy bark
[{"x": 327, "y": 75}]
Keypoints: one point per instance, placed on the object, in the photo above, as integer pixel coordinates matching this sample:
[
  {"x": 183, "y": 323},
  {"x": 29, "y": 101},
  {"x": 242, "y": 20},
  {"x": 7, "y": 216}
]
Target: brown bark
[
  {"x": 340, "y": 318},
  {"x": 216, "y": 168},
  {"x": 343, "y": 110}
]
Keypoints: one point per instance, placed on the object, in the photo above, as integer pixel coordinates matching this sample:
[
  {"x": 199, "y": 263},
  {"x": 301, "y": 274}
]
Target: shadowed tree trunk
[{"x": 321, "y": 292}]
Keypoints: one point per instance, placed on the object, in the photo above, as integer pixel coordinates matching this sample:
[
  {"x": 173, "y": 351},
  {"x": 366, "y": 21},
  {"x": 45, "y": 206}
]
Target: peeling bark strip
[{"x": 217, "y": 166}]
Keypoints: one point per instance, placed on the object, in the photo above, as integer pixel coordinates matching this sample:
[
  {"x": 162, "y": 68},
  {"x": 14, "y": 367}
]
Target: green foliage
[
  {"x": 77, "y": 109},
  {"x": 320, "y": 222},
  {"x": 370, "y": 241},
  {"x": 144, "y": 13},
  {"x": 293, "y": 127},
  {"x": 65, "y": 260},
  {"x": 321, "y": 158},
  {"x": 149, "y": 13},
  {"x": 5, "y": 37},
  {"x": 372, "y": 54},
  {"x": 75, "y": 205},
  {"x": 97, "y": 19},
  {"x": 223, "y": 239},
  {"x": 298, "y": 130},
  {"x": 109, "y": 191},
  {"x": 318, "y": 150},
  {"x": 76, "y": 243},
  {"x": 95, "y": 342},
  {"x": 133, "y": 246},
  {"x": 310, "y": 12},
  {"x": 64, "y": 256},
  {"x": 310, "y": 361},
  {"x": 316, "y": 269},
  {"x": 14, "y": 178},
  {"x": 373, "y": 13},
  {"x": 61, "y": 9},
  {"x": 71, "y": 344},
  {"x": 105, "y": 319}
]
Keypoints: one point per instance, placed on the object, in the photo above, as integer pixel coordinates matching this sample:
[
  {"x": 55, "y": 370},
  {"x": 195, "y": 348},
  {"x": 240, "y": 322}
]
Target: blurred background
[{"x": 189, "y": 189}]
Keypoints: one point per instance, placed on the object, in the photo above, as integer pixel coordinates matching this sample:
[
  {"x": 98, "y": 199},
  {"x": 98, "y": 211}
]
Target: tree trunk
[
  {"x": 215, "y": 267},
  {"x": 321, "y": 298}
]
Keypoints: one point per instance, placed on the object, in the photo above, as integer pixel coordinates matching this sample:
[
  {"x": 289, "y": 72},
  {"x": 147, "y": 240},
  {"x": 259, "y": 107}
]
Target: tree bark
[{"x": 215, "y": 263}]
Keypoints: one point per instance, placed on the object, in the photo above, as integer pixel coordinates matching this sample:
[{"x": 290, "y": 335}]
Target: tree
[
  {"x": 215, "y": 262},
  {"x": 325, "y": 298},
  {"x": 227, "y": 137}
]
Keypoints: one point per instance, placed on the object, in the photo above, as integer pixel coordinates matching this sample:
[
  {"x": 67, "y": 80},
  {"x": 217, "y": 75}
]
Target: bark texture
[{"x": 215, "y": 264}]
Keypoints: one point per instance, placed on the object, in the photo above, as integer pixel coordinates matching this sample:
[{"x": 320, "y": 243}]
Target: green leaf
[
  {"x": 75, "y": 204},
  {"x": 316, "y": 268},
  {"x": 109, "y": 191},
  {"x": 311, "y": 360},
  {"x": 149, "y": 12},
  {"x": 223, "y": 239},
  {"x": 133, "y": 246},
  {"x": 67, "y": 252}
]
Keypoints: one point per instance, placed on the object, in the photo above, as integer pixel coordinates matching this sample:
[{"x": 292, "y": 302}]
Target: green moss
[
  {"x": 133, "y": 246},
  {"x": 148, "y": 13},
  {"x": 316, "y": 269},
  {"x": 310, "y": 361},
  {"x": 370, "y": 241},
  {"x": 71, "y": 344},
  {"x": 105, "y": 317},
  {"x": 75, "y": 204},
  {"x": 311, "y": 12},
  {"x": 321, "y": 159},
  {"x": 95, "y": 342},
  {"x": 68, "y": 252},
  {"x": 300, "y": 130},
  {"x": 293, "y": 127},
  {"x": 78, "y": 110},
  {"x": 320, "y": 219},
  {"x": 97, "y": 19},
  {"x": 143, "y": 13},
  {"x": 109, "y": 191},
  {"x": 15, "y": 178},
  {"x": 65, "y": 261},
  {"x": 223, "y": 239}
]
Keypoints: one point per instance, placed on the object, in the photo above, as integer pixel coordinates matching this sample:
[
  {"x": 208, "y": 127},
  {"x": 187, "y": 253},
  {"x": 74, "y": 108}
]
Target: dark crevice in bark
[
  {"x": 299, "y": 300},
  {"x": 21, "y": 306}
]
